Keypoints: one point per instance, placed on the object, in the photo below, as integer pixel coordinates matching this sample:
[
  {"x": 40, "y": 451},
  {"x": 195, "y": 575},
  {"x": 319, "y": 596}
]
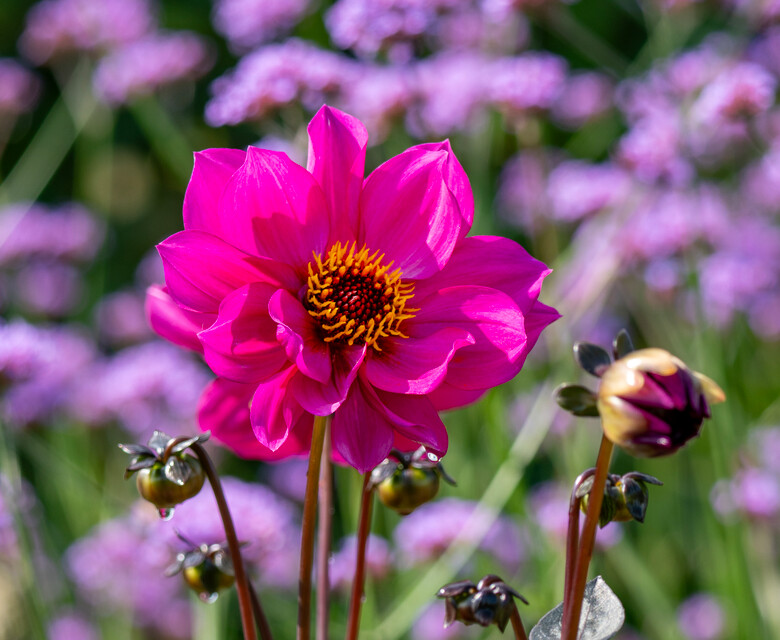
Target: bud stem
[
  {"x": 573, "y": 536},
  {"x": 364, "y": 526},
  {"x": 517, "y": 625},
  {"x": 571, "y": 615},
  {"x": 308, "y": 528},
  {"x": 242, "y": 582},
  {"x": 324, "y": 535}
]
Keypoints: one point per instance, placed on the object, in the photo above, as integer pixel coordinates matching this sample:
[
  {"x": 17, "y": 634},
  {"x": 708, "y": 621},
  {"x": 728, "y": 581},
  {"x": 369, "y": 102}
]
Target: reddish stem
[
  {"x": 324, "y": 535},
  {"x": 308, "y": 528},
  {"x": 573, "y": 537},
  {"x": 571, "y": 618},
  {"x": 364, "y": 526},
  {"x": 242, "y": 582},
  {"x": 517, "y": 625}
]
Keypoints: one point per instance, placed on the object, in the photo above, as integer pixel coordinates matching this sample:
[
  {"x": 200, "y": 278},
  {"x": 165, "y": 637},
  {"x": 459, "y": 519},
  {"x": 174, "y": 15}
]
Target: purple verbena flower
[
  {"x": 56, "y": 27},
  {"x": 741, "y": 91},
  {"x": 529, "y": 82},
  {"x": 144, "y": 65},
  {"x": 576, "y": 189},
  {"x": 119, "y": 567},
  {"x": 249, "y": 23},
  {"x": 19, "y": 88},
  {"x": 120, "y": 318},
  {"x": 48, "y": 288},
  {"x": 584, "y": 97},
  {"x": 144, "y": 387},
  {"x": 379, "y": 561},
  {"x": 428, "y": 531},
  {"x": 39, "y": 366},
  {"x": 68, "y": 232},
  {"x": 275, "y": 76},
  {"x": 69, "y": 625},
  {"x": 701, "y": 617}
]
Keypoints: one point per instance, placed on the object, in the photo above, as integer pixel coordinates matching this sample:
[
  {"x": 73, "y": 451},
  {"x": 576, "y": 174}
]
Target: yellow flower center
[{"x": 355, "y": 298}]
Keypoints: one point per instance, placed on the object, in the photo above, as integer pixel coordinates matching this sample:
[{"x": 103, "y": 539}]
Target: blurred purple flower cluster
[
  {"x": 135, "y": 56},
  {"x": 379, "y": 561},
  {"x": 19, "y": 88}
]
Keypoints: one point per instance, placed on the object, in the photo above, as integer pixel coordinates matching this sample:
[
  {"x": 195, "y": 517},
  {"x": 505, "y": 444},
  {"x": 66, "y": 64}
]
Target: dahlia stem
[
  {"x": 324, "y": 536},
  {"x": 262, "y": 621},
  {"x": 517, "y": 625},
  {"x": 573, "y": 537},
  {"x": 571, "y": 617},
  {"x": 242, "y": 582},
  {"x": 308, "y": 528},
  {"x": 364, "y": 526}
]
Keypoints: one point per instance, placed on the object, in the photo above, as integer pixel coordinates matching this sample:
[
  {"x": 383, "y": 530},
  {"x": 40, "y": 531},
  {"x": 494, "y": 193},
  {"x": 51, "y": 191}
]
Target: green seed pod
[{"x": 155, "y": 486}]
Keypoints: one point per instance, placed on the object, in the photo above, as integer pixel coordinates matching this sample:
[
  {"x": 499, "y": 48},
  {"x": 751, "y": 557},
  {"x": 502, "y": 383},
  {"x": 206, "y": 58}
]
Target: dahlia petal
[
  {"x": 490, "y": 261},
  {"x": 337, "y": 157},
  {"x": 210, "y": 173},
  {"x": 274, "y": 208},
  {"x": 408, "y": 212},
  {"x": 446, "y": 397},
  {"x": 241, "y": 345},
  {"x": 493, "y": 320},
  {"x": 458, "y": 182},
  {"x": 536, "y": 320},
  {"x": 322, "y": 399},
  {"x": 416, "y": 418},
  {"x": 201, "y": 269},
  {"x": 223, "y": 409},
  {"x": 362, "y": 434},
  {"x": 296, "y": 333},
  {"x": 274, "y": 411},
  {"x": 416, "y": 364},
  {"x": 168, "y": 320}
]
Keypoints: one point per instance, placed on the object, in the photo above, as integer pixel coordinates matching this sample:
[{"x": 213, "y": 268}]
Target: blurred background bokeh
[{"x": 633, "y": 145}]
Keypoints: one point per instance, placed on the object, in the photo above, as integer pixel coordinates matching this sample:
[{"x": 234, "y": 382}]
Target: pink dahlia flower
[{"x": 315, "y": 292}]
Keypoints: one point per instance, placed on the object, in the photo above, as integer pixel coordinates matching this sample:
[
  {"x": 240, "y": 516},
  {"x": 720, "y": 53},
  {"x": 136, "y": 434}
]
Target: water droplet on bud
[
  {"x": 208, "y": 598},
  {"x": 165, "y": 514}
]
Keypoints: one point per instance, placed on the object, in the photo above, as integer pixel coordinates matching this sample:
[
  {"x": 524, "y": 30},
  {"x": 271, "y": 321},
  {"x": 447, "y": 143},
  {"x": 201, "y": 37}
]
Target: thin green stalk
[
  {"x": 571, "y": 614},
  {"x": 308, "y": 528},
  {"x": 364, "y": 527}
]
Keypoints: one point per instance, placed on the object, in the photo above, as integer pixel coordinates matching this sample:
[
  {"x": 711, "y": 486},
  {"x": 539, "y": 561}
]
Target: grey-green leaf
[
  {"x": 622, "y": 344},
  {"x": 177, "y": 471},
  {"x": 577, "y": 399},
  {"x": 602, "y": 615},
  {"x": 592, "y": 358}
]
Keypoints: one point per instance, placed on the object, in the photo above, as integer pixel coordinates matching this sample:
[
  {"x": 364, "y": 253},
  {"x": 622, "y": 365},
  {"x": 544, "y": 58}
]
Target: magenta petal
[
  {"x": 490, "y": 261},
  {"x": 210, "y": 173},
  {"x": 493, "y": 320},
  {"x": 224, "y": 410},
  {"x": 416, "y": 365},
  {"x": 201, "y": 269},
  {"x": 445, "y": 396},
  {"x": 539, "y": 317},
  {"x": 296, "y": 332},
  {"x": 274, "y": 412},
  {"x": 337, "y": 157},
  {"x": 362, "y": 434},
  {"x": 322, "y": 399},
  {"x": 241, "y": 345},
  {"x": 458, "y": 183},
  {"x": 416, "y": 418},
  {"x": 170, "y": 321},
  {"x": 408, "y": 212},
  {"x": 273, "y": 207}
]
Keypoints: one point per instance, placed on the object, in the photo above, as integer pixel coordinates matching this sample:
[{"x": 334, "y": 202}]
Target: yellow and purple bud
[{"x": 651, "y": 403}]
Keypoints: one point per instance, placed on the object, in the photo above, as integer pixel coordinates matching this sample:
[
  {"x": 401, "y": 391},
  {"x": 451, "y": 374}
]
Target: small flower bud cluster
[
  {"x": 625, "y": 497},
  {"x": 490, "y": 601}
]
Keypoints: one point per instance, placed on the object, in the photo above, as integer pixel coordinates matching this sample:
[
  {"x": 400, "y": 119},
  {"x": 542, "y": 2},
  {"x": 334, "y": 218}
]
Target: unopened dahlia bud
[
  {"x": 404, "y": 481},
  {"x": 651, "y": 404},
  {"x": 490, "y": 601},
  {"x": 166, "y": 475},
  {"x": 207, "y": 569},
  {"x": 625, "y": 498}
]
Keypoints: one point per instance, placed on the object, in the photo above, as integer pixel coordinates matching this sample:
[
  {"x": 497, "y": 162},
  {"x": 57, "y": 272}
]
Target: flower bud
[
  {"x": 207, "y": 570},
  {"x": 651, "y": 404},
  {"x": 167, "y": 476},
  {"x": 490, "y": 601},
  {"x": 625, "y": 498},
  {"x": 404, "y": 481}
]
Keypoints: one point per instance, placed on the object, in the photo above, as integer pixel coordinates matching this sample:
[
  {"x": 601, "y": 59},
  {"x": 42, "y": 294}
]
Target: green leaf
[
  {"x": 592, "y": 358},
  {"x": 576, "y": 399}
]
